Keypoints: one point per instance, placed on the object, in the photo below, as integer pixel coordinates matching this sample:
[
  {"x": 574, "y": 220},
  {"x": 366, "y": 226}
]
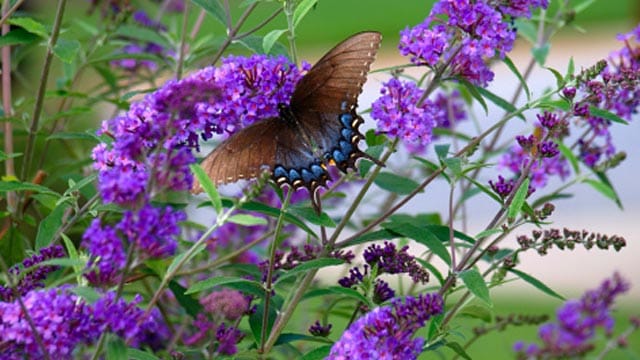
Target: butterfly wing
[
  {"x": 325, "y": 99},
  {"x": 335, "y": 81},
  {"x": 259, "y": 148}
]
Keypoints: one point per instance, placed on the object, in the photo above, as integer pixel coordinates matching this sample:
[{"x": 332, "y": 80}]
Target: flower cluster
[
  {"x": 296, "y": 257},
  {"x": 577, "y": 321},
  {"x": 563, "y": 239},
  {"x": 388, "y": 332},
  {"x": 388, "y": 259},
  {"x": 381, "y": 290},
  {"x": 151, "y": 229},
  {"x": 538, "y": 152},
  {"x": 318, "y": 329},
  {"x": 612, "y": 86},
  {"x": 459, "y": 38},
  {"x": 63, "y": 320},
  {"x": 402, "y": 112},
  {"x": 32, "y": 275}
]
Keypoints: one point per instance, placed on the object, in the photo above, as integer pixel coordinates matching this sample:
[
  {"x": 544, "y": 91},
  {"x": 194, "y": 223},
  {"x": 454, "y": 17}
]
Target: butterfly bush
[{"x": 143, "y": 263}]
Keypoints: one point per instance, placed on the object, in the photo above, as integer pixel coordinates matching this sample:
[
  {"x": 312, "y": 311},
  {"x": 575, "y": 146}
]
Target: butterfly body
[{"x": 319, "y": 127}]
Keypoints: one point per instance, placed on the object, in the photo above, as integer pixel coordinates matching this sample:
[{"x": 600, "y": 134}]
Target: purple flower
[
  {"x": 573, "y": 333},
  {"x": 388, "y": 332},
  {"x": 318, "y": 329},
  {"x": 382, "y": 292},
  {"x": 542, "y": 169},
  {"x": 63, "y": 320},
  {"x": 32, "y": 277},
  {"x": 463, "y": 36},
  {"x": 107, "y": 257},
  {"x": 227, "y": 338},
  {"x": 398, "y": 115},
  {"x": 389, "y": 260},
  {"x": 153, "y": 230},
  {"x": 355, "y": 277}
]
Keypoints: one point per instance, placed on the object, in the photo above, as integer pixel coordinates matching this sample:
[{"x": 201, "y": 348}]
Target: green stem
[
  {"x": 44, "y": 76},
  {"x": 272, "y": 259},
  {"x": 363, "y": 191},
  {"x": 183, "y": 41},
  {"x": 289, "y": 7},
  {"x": 9, "y": 164},
  {"x": 9, "y": 12}
]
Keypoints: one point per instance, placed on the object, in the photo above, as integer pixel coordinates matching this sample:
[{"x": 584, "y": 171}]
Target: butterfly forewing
[{"x": 335, "y": 81}]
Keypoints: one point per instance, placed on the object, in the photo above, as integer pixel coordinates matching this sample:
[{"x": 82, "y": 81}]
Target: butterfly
[{"x": 318, "y": 127}]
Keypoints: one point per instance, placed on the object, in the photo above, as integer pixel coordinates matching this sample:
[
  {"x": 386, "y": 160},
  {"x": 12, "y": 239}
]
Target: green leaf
[
  {"x": 473, "y": 91},
  {"x": 247, "y": 220},
  {"x": 442, "y": 232},
  {"x": 291, "y": 337},
  {"x": 88, "y": 293},
  {"x": 310, "y": 265},
  {"x": 477, "y": 312},
  {"x": 179, "y": 258},
  {"x": 540, "y": 53},
  {"x": 143, "y": 35},
  {"x": 310, "y": 215},
  {"x": 319, "y": 353},
  {"x": 497, "y": 100},
  {"x": 421, "y": 235},
  {"x": 18, "y": 36},
  {"x": 454, "y": 164},
  {"x": 255, "y": 321},
  {"x": 49, "y": 225},
  {"x": 273, "y": 212},
  {"x": 536, "y": 283},
  {"x": 602, "y": 188},
  {"x": 337, "y": 290},
  {"x": 605, "y": 180},
  {"x": 213, "y": 8},
  {"x": 301, "y": 11},
  {"x": 559, "y": 78},
  {"x": 271, "y": 38},
  {"x": 395, "y": 183},
  {"x": 208, "y": 186},
  {"x": 475, "y": 283},
  {"x": 63, "y": 262},
  {"x": 373, "y": 236},
  {"x": 30, "y": 25},
  {"x": 116, "y": 348},
  {"x": 432, "y": 269},
  {"x": 73, "y": 254},
  {"x": 66, "y": 50},
  {"x": 188, "y": 303},
  {"x": 605, "y": 114},
  {"x": 136, "y": 354},
  {"x": 516, "y": 72},
  {"x": 25, "y": 186},
  {"x": 221, "y": 281},
  {"x": 570, "y": 156},
  {"x": 518, "y": 199},
  {"x": 458, "y": 350},
  {"x": 442, "y": 151}
]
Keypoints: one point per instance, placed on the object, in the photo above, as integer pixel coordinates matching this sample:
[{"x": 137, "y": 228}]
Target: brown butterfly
[{"x": 317, "y": 128}]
